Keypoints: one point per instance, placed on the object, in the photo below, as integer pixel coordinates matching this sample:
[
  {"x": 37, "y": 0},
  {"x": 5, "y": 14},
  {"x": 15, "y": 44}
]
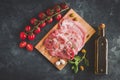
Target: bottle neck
[{"x": 102, "y": 32}]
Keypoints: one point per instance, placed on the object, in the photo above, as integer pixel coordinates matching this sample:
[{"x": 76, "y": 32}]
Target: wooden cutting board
[{"x": 41, "y": 48}]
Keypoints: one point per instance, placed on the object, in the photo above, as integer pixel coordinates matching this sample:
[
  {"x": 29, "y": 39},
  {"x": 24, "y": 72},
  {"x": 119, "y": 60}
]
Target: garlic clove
[
  {"x": 62, "y": 61},
  {"x": 57, "y": 63}
]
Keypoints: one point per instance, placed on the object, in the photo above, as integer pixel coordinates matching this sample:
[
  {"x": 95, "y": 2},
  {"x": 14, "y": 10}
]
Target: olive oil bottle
[{"x": 101, "y": 51}]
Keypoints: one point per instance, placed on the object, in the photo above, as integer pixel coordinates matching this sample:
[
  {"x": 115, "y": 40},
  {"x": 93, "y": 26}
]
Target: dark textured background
[{"x": 19, "y": 64}]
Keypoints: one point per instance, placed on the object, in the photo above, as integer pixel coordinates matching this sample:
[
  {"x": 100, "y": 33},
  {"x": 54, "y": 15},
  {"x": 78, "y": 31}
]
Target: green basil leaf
[
  {"x": 77, "y": 58},
  {"x": 76, "y": 69},
  {"x": 71, "y": 62},
  {"x": 76, "y": 63}
]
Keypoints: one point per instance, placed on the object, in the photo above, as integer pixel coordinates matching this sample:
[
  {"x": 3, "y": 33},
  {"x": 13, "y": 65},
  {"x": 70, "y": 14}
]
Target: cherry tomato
[
  {"x": 43, "y": 24},
  {"x": 29, "y": 47},
  {"x": 58, "y": 17},
  {"x": 31, "y": 36},
  {"x": 37, "y": 31},
  {"x": 50, "y": 12},
  {"x": 50, "y": 20},
  {"x": 27, "y": 28},
  {"x": 42, "y": 15},
  {"x": 22, "y": 44},
  {"x": 33, "y": 21},
  {"x": 23, "y": 35},
  {"x": 57, "y": 8}
]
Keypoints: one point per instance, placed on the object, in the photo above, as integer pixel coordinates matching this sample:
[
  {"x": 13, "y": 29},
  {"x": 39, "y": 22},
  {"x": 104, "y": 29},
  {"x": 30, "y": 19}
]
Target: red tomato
[
  {"x": 37, "y": 31},
  {"x": 50, "y": 12},
  {"x": 50, "y": 20},
  {"x": 27, "y": 28},
  {"x": 43, "y": 24},
  {"x": 57, "y": 8},
  {"x": 64, "y": 6},
  {"x": 23, "y": 35},
  {"x": 22, "y": 44},
  {"x": 31, "y": 37},
  {"x": 33, "y": 21},
  {"x": 42, "y": 15},
  {"x": 29, "y": 47},
  {"x": 58, "y": 17}
]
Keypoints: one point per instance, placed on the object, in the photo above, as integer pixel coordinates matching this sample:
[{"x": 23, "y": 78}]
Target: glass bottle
[{"x": 101, "y": 51}]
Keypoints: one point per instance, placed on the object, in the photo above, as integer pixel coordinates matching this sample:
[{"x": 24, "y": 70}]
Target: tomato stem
[{"x": 40, "y": 21}]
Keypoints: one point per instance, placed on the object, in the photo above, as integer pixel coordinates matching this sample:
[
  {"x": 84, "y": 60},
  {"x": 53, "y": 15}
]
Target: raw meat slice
[{"x": 67, "y": 40}]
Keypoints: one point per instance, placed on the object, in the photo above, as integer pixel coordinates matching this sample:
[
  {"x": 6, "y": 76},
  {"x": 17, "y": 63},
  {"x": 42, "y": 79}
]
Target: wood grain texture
[{"x": 41, "y": 48}]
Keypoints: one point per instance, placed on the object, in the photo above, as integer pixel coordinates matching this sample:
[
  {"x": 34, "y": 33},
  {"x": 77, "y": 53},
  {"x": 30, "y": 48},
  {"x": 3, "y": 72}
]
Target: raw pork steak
[{"x": 67, "y": 40}]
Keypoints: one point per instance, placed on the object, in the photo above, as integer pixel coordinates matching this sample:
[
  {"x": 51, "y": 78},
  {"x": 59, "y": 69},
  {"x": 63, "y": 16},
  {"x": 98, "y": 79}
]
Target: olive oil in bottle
[{"x": 101, "y": 51}]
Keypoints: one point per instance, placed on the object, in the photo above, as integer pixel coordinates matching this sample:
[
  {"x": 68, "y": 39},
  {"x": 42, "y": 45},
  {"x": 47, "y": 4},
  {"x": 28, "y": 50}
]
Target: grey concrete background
[{"x": 19, "y": 64}]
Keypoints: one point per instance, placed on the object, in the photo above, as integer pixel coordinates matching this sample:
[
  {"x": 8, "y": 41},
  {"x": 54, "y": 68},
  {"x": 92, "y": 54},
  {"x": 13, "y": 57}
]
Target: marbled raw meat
[{"x": 67, "y": 40}]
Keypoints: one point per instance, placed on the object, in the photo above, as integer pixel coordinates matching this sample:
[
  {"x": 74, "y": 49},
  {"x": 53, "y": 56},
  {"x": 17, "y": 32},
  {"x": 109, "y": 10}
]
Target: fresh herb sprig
[{"x": 77, "y": 60}]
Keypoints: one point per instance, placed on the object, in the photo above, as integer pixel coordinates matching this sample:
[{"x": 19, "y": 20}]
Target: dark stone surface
[{"x": 19, "y": 64}]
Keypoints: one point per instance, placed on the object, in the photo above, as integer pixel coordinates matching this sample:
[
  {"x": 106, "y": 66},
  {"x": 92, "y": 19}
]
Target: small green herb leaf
[
  {"x": 71, "y": 62},
  {"x": 77, "y": 58},
  {"x": 75, "y": 69},
  {"x": 76, "y": 63}
]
